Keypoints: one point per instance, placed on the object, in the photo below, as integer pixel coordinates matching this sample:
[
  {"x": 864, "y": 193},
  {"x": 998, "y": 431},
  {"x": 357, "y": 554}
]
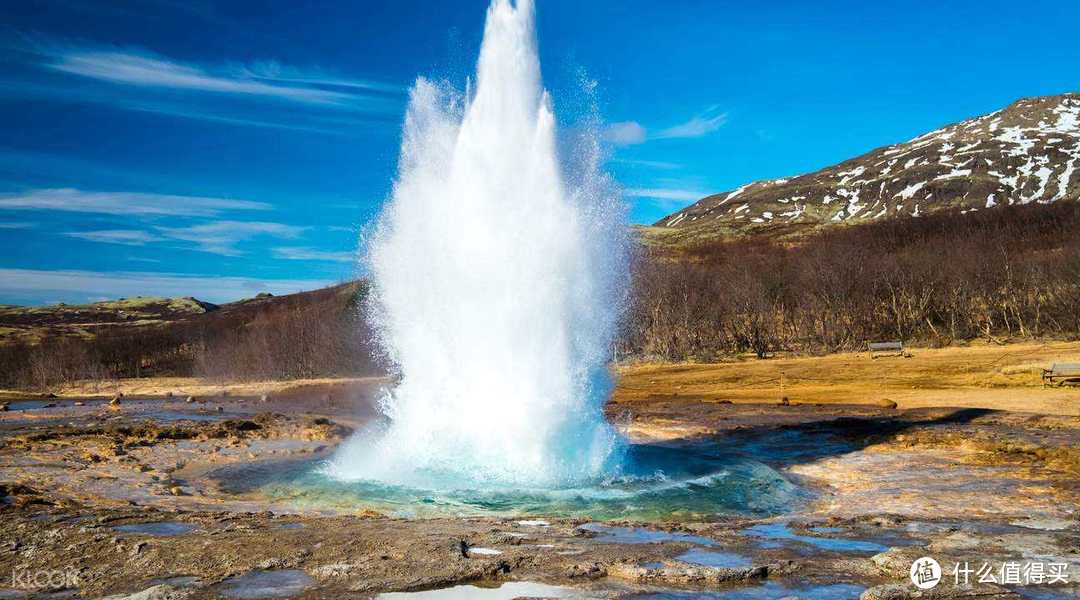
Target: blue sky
[{"x": 221, "y": 149}]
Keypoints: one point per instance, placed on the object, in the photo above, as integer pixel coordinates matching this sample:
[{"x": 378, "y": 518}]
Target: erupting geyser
[{"x": 497, "y": 273}]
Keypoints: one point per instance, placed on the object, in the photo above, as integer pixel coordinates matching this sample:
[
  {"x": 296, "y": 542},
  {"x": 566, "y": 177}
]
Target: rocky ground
[{"x": 105, "y": 499}]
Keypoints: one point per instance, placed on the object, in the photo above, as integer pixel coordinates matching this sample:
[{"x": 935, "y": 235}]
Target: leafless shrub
[
  {"x": 314, "y": 334},
  {"x": 1007, "y": 273}
]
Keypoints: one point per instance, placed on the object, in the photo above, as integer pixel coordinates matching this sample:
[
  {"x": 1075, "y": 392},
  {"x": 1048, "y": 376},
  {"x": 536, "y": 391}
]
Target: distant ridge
[
  {"x": 1025, "y": 153},
  {"x": 32, "y": 324}
]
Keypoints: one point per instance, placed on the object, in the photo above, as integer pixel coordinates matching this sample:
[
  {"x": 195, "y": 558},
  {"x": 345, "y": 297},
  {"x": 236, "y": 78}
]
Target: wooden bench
[
  {"x": 1062, "y": 372},
  {"x": 896, "y": 348}
]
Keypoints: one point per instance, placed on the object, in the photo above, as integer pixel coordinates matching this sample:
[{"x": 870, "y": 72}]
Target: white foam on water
[{"x": 498, "y": 272}]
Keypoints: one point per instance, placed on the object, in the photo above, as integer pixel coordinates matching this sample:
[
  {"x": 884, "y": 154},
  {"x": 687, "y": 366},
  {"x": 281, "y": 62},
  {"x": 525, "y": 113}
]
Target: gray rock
[
  {"x": 944, "y": 590},
  {"x": 592, "y": 570},
  {"x": 158, "y": 592},
  {"x": 684, "y": 573},
  {"x": 896, "y": 562}
]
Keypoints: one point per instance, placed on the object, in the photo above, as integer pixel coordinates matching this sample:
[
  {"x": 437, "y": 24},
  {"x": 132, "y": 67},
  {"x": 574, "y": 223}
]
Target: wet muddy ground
[{"x": 127, "y": 500}]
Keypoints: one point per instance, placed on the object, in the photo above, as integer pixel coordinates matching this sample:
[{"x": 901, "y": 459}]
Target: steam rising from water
[{"x": 498, "y": 276}]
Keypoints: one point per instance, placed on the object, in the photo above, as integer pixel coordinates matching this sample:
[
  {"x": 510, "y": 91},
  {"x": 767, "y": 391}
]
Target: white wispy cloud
[
  {"x": 202, "y": 113},
  {"x": 124, "y": 203},
  {"x": 127, "y": 237},
  {"x": 260, "y": 94},
  {"x": 272, "y": 70},
  {"x": 337, "y": 123},
  {"x": 702, "y": 124},
  {"x": 629, "y": 133},
  {"x": 222, "y": 237},
  {"x": 82, "y": 285},
  {"x": 652, "y": 164},
  {"x": 134, "y": 69},
  {"x": 665, "y": 194},
  {"x": 300, "y": 253}
]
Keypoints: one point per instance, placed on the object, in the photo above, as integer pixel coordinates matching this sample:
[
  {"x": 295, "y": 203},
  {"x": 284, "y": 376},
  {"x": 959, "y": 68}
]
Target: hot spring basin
[{"x": 656, "y": 482}]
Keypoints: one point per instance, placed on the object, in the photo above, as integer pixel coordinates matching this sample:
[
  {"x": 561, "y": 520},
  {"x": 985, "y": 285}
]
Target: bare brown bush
[
  {"x": 312, "y": 334},
  {"x": 289, "y": 342},
  {"x": 998, "y": 274},
  {"x": 1007, "y": 273}
]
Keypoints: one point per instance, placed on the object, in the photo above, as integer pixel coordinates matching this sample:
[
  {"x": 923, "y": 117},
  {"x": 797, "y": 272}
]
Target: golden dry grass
[
  {"x": 191, "y": 386},
  {"x": 976, "y": 376}
]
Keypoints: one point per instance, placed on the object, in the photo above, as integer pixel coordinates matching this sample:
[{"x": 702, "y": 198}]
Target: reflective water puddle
[
  {"x": 609, "y": 534},
  {"x": 774, "y": 534},
  {"x": 265, "y": 584},
  {"x": 159, "y": 528},
  {"x": 19, "y": 405},
  {"x": 507, "y": 591},
  {"x": 712, "y": 558},
  {"x": 766, "y": 591}
]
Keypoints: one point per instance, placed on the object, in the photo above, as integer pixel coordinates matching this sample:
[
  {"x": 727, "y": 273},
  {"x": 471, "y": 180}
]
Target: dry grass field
[{"x": 977, "y": 376}]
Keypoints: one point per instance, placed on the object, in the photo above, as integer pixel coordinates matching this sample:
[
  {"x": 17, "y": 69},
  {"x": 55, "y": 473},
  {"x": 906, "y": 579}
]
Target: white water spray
[{"x": 497, "y": 277}]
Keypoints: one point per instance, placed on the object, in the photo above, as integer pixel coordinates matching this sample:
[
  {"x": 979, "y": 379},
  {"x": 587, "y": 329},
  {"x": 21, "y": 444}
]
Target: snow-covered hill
[{"x": 1025, "y": 153}]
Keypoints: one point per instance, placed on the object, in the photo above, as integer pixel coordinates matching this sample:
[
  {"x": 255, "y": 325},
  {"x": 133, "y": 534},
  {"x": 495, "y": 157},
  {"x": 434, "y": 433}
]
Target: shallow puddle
[
  {"x": 159, "y": 528},
  {"x": 265, "y": 584},
  {"x": 609, "y": 534},
  {"x": 28, "y": 404},
  {"x": 507, "y": 591},
  {"x": 712, "y": 558},
  {"x": 484, "y": 551},
  {"x": 19, "y": 405},
  {"x": 770, "y": 590},
  {"x": 773, "y": 535}
]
